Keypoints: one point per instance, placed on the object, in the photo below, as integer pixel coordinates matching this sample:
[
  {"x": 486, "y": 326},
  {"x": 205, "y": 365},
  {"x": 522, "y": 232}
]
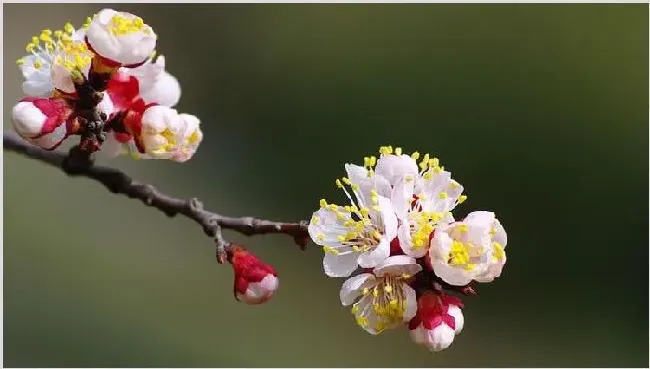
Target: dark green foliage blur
[{"x": 541, "y": 111}]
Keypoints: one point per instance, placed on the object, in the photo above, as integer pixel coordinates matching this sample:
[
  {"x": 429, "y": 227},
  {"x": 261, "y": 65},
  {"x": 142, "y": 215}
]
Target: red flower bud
[{"x": 255, "y": 281}]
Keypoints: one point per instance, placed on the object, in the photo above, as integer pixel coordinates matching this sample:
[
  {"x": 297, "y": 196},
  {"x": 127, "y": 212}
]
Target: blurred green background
[{"x": 541, "y": 111}]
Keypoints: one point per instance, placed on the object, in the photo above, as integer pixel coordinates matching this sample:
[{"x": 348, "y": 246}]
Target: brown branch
[{"x": 77, "y": 164}]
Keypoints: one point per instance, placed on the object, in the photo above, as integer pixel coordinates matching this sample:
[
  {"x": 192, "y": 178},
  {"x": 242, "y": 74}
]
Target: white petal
[
  {"x": 492, "y": 271},
  {"x": 365, "y": 304},
  {"x": 441, "y": 337},
  {"x": 156, "y": 119},
  {"x": 27, "y": 119},
  {"x": 395, "y": 167},
  {"x": 62, "y": 79},
  {"x": 325, "y": 231},
  {"x": 397, "y": 265},
  {"x": 358, "y": 175},
  {"x": 418, "y": 335},
  {"x": 388, "y": 217},
  {"x": 459, "y": 319},
  {"x": 479, "y": 225},
  {"x": 51, "y": 140},
  {"x": 500, "y": 235},
  {"x": 483, "y": 219},
  {"x": 38, "y": 87},
  {"x": 411, "y": 302},
  {"x": 166, "y": 90},
  {"x": 153, "y": 142},
  {"x": 352, "y": 287},
  {"x": 342, "y": 265},
  {"x": 406, "y": 242},
  {"x": 402, "y": 197},
  {"x": 440, "y": 244},
  {"x": 372, "y": 258},
  {"x": 450, "y": 274},
  {"x": 440, "y": 196}
]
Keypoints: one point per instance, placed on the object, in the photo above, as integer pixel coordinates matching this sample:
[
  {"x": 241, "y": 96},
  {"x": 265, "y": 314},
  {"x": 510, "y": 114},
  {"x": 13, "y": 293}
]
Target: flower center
[
  {"x": 362, "y": 233},
  {"x": 74, "y": 56},
  {"x": 422, "y": 224},
  {"x": 46, "y": 45},
  {"x": 171, "y": 143},
  {"x": 121, "y": 25},
  {"x": 464, "y": 255},
  {"x": 386, "y": 301}
]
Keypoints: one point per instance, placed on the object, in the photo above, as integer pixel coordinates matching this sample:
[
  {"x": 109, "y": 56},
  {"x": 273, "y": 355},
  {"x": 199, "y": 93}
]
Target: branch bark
[{"x": 77, "y": 164}]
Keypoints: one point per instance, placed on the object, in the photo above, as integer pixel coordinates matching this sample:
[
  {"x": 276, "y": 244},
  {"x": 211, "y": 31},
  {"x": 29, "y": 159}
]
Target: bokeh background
[{"x": 541, "y": 111}]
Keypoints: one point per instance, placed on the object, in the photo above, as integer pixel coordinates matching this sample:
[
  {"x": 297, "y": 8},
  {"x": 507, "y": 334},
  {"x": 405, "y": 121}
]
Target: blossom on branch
[
  {"x": 384, "y": 299},
  {"x": 120, "y": 38},
  {"x": 115, "y": 96},
  {"x": 472, "y": 249},
  {"x": 396, "y": 241},
  {"x": 400, "y": 233}
]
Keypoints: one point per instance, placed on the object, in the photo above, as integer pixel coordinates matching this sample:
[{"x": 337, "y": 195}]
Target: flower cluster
[
  {"x": 400, "y": 240},
  {"x": 104, "y": 76}
]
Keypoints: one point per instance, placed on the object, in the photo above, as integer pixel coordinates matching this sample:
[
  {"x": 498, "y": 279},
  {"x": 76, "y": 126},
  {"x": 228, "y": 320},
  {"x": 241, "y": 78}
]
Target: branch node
[
  {"x": 149, "y": 194},
  {"x": 195, "y": 204}
]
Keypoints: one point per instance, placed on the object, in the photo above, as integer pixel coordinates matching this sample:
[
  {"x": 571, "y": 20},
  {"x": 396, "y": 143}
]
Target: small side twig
[{"x": 78, "y": 164}]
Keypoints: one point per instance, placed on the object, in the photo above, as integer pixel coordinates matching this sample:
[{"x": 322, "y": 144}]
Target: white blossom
[
  {"x": 53, "y": 57},
  {"x": 120, "y": 38},
  {"x": 471, "y": 249},
  {"x": 354, "y": 235},
  {"x": 383, "y": 299}
]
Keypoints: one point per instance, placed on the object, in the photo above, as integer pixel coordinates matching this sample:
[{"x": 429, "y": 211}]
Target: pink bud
[
  {"x": 255, "y": 281},
  {"x": 437, "y": 321},
  {"x": 43, "y": 122}
]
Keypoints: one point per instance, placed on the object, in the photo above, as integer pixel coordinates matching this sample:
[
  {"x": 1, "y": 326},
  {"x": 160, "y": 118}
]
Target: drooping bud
[
  {"x": 437, "y": 321},
  {"x": 42, "y": 121},
  {"x": 255, "y": 281}
]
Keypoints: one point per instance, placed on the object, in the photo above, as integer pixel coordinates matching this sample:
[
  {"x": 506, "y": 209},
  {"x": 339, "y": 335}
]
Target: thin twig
[{"x": 118, "y": 182}]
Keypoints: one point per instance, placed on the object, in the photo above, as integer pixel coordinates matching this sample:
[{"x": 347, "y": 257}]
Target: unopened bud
[
  {"x": 42, "y": 121},
  {"x": 437, "y": 322},
  {"x": 255, "y": 281}
]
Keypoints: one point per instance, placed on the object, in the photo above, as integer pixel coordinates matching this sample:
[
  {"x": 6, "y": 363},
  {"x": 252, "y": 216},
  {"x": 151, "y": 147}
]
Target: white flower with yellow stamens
[
  {"x": 472, "y": 249},
  {"x": 353, "y": 235},
  {"x": 422, "y": 199},
  {"x": 383, "y": 299},
  {"x": 43, "y": 50},
  {"x": 161, "y": 133},
  {"x": 120, "y": 38}
]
